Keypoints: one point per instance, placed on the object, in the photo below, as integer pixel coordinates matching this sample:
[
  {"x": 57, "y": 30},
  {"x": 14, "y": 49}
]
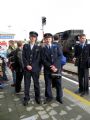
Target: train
[{"x": 68, "y": 39}]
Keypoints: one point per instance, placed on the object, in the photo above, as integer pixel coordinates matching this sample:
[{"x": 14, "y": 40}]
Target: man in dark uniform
[
  {"x": 82, "y": 53},
  {"x": 51, "y": 60},
  {"x": 31, "y": 61}
]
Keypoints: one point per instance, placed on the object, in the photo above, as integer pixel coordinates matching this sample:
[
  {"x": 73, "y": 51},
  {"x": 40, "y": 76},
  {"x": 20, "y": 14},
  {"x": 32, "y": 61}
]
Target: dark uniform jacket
[
  {"x": 83, "y": 55},
  {"x": 31, "y": 57},
  {"x": 18, "y": 60},
  {"x": 51, "y": 57}
]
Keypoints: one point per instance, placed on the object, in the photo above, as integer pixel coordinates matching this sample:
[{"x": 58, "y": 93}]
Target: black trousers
[
  {"x": 19, "y": 77},
  {"x": 83, "y": 74},
  {"x": 48, "y": 86},
  {"x": 27, "y": 83}
]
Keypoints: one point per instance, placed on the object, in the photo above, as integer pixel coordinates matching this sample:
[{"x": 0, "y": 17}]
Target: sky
[{"x": 22, "y": 16}]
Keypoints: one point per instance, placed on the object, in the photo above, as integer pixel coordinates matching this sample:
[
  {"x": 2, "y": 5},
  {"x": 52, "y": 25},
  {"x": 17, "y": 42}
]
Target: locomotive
[{"x": 68, "y": 39}]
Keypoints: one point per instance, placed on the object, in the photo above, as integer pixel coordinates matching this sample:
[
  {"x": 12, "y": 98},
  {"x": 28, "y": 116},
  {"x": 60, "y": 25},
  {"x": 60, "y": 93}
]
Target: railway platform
[
  {"x": 74, "y": 106},
  {"x": 70, "y": 67}
]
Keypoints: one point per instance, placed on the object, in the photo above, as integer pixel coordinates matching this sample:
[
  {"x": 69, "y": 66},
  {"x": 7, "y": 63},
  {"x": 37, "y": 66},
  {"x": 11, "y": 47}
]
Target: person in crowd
[
  {"x": 3, "y": 56},
  {"x": 31, "y": 61},
  {"x": 42, "y": 43},
  {"x": 56, "y": 41},
  {"x": 81, "y": 55},
  {"x": 51, "y": 54},
  {"x": 19, "y": 66},
  {"x": 2, "y": 85},
  {"x": 10, "y": 56},
  {"x": 11, "y": 46}
]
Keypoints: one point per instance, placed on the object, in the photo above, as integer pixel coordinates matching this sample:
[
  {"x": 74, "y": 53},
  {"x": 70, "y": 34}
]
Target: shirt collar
[{"x": 49, "y": 45}]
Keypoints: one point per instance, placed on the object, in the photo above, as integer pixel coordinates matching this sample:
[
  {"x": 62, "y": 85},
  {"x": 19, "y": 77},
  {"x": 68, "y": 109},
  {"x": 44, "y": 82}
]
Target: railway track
[{"x": 69, "y": 72}]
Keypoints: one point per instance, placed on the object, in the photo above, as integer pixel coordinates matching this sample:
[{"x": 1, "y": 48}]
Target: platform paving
[{"x": 11, "y": 107}]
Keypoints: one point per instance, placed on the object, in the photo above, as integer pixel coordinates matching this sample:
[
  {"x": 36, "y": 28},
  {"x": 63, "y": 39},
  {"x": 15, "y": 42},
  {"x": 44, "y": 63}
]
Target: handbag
[{"x": 57, "y": 74}]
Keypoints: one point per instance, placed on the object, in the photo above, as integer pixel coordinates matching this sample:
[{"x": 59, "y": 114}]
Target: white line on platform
[
  {"x": 29, "y": 118},
  {"x": 71, "y": 80}
]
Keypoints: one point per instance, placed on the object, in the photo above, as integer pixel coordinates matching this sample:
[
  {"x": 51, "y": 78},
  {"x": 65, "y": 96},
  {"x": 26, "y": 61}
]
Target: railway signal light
[{"x": 43, "y": 20}]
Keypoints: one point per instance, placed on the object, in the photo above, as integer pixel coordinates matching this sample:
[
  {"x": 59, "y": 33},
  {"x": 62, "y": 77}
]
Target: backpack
[
  {"x": 63, "y": 60},
  {"x": 13, "y": 59}
]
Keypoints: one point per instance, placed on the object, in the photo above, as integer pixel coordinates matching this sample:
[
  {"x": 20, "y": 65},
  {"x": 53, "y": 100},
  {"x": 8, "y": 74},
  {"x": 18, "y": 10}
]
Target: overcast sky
[{"x": 22, "y": 16}]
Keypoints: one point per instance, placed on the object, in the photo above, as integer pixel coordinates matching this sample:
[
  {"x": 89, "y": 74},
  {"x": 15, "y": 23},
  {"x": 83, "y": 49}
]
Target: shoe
[
  {"x": 59, "y": 100},
  {"x": 17, "y": 91},
  {"x": 38, "y": 101},
  {"x": 25, "y": 102},
  {"x": 87, "y": 93},
  {"x": 77, "y": 92},
  {"x": 82, "y": 94},
  {"x": 13, "y": 85},
  {"x": 48, "y": 100},
  {"x": 1, "y": 86}
]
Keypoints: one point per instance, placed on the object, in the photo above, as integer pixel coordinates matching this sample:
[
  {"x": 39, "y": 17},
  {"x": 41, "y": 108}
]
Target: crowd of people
[{"x": 26, "y": 61}]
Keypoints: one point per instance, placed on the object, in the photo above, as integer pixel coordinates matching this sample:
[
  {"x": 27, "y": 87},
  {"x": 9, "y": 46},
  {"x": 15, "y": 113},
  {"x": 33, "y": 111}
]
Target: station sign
[{"x": 6, "y": 36}]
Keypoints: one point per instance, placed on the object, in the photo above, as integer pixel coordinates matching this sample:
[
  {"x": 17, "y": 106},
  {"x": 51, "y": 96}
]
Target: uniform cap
[
  {"x": 47, "y": 35},
  {"x": 33, "y": 33}
]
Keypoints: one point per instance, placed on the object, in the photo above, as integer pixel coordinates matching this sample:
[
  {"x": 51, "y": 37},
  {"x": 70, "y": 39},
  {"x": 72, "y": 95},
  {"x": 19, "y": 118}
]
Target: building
[{"x": 6, "y": 36}]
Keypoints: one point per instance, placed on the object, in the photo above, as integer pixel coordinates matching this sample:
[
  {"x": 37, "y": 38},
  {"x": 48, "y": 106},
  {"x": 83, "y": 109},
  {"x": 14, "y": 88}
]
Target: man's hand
[
  {"x": 29, "y": 67},
  {"x": 53, "y": 68},
  {"x": 74, "y": 59}
]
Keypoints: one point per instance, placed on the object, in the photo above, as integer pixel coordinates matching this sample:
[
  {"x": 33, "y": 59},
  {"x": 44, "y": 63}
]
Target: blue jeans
[{"x": 14, "y": 76}]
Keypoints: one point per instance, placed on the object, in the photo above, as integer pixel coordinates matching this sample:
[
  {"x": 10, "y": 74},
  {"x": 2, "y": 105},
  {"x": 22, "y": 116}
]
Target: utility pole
[
  {"x": 43, "y": 23},
  {"x": 9, "y": 28}
]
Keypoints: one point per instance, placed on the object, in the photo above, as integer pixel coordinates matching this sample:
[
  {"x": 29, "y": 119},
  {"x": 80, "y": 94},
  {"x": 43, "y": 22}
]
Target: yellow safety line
[{"x": 84, "y": 101}]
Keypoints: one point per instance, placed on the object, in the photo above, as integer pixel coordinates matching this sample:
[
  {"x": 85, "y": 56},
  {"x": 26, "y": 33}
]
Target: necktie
[
  {"x": 81, "y": 45},
  {"x": 49, "y": 47}
]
